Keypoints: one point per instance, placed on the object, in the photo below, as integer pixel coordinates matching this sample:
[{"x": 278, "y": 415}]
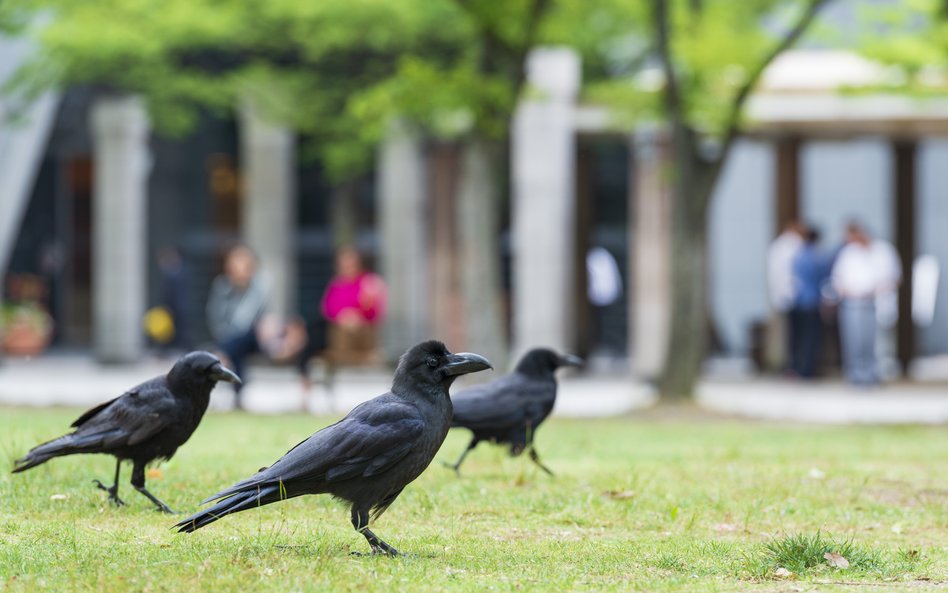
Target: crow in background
[
  {"x": 148, "y": 422},
  {"x": 369, "y": 456},
  {"x": 509, "y": 410}
]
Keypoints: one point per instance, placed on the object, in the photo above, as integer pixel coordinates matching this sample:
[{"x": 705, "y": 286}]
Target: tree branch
[
  {"x": 516, "y": 51},
  {"x": 670, "y": 92},
  {"x": 537, "y": 9},
  {"x": 792, "y": 36},
  {"x": 486, "y": 30}
]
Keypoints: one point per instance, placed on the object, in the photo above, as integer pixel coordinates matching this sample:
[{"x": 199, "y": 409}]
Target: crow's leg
[
  {"x": 457, "y": 466},
  {"x": 113, "y": 491},
  {"x": 535, "y": 458},
  {"x": 360, "y": 521},
  {"x": 138, "y": 481}
]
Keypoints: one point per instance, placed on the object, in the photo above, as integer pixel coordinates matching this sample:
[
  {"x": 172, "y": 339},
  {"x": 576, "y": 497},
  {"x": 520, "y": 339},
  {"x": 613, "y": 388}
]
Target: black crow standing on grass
[
  {"x": 148, "y": 422},
  {"x": 509, "y": 410},
  {"x": 369, "y": 456}
]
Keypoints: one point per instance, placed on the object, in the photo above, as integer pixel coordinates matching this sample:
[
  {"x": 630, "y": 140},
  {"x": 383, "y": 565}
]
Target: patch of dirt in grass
[{"x": 903, "y": 494}]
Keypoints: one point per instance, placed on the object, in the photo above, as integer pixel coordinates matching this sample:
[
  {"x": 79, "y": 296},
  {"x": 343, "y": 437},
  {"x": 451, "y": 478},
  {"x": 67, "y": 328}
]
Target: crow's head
[
  {"x": 200, "y": 368},
  {"x": 541, "y": 361},
  {"x": 430, "y": 363}
]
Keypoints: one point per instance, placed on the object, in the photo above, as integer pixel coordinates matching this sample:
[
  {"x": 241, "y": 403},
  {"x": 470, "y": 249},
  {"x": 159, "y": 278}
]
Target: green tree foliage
[
  {"x": 910, "y": 39},
  {"x": 299, "y": 63}
]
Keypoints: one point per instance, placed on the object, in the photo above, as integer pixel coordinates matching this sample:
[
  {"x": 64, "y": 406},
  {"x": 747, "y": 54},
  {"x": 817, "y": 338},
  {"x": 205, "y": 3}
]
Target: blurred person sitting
[
  {"x": 354, "y": 306},
  {"x": 866, "y": 273},
  {"x": 351, "y": 308},
  {"x": 811, "y": 270},
  {"x": 235, "y": 307}
]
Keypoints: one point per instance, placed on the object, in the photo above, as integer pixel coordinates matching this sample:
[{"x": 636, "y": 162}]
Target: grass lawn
[{"x": 657, "y": 502}]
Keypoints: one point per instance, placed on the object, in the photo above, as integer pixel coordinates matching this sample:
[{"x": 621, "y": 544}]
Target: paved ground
[
  {"x": 78, "y": 381},
  {"x": 831, "y": 402}
]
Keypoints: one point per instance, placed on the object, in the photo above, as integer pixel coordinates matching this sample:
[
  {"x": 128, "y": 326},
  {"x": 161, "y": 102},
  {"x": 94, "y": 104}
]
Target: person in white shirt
[
  {"x": 866, "y": 278},
  {"x": 782, "y": 292},
  {"x": 604, "y": 288}
]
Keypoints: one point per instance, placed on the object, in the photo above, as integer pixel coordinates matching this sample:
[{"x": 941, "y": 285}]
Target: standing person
[
  {"x": 866, "y": 271},
  {"x": 174, "y": 292},
  {"x": 603, "y": 289},
  {"x": 354, "y": 305},
  {"x": 811, "y": 270},
  {"x": 235, "y": 307},
  {"x": 781, "y": 289}
]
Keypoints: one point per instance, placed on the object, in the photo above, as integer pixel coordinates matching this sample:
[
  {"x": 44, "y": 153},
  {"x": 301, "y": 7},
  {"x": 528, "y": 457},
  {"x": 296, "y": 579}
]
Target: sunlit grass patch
[{"x": 638, "y": 504}]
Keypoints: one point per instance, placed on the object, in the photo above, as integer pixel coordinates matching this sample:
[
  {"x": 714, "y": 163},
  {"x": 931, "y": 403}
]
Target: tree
[
  {"x": 299, "y": 64},
  {"x": 711, "y": 55}
]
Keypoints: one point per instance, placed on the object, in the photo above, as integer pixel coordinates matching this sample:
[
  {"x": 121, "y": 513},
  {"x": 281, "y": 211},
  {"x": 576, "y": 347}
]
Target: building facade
[{"x": 107, "y": 195}]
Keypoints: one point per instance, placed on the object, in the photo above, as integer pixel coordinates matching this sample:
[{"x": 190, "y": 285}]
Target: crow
[
  {"x": 368, "y": 457},
  {"x": 509, "y": 410},
  {"x": 148, "y": 422}
]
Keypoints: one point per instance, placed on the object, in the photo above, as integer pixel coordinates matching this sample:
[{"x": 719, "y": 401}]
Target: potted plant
[{"x": 26, "y": 328}]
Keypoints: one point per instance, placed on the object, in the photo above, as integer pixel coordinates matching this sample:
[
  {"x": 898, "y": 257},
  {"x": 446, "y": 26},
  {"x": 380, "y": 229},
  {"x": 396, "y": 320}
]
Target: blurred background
[{"x": 605, "y": 178}]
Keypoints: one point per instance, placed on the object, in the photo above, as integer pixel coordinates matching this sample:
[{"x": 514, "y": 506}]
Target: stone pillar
[
  {"x": 650, "y": 256},
  {"x": 404, "y": 227},
  {"x": 268, "y": 218},
  {"x": 543, "y": 203},
  {"x": 122, "y": 161}
]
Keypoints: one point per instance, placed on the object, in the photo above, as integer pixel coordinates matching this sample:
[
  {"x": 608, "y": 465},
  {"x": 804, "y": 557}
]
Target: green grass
[{"x": 648, "y": 503}]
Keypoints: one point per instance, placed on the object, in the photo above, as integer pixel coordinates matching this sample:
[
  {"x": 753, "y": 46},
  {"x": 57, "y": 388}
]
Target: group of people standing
[{"x": 857, "y": 282}]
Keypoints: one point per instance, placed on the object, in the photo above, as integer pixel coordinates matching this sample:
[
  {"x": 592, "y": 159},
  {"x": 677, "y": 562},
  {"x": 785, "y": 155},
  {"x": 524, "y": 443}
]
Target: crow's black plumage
[
  {"x": 369, "y": 456},
  {"x": 509, "y": 410},
  {"x": 148, "y": 422}
]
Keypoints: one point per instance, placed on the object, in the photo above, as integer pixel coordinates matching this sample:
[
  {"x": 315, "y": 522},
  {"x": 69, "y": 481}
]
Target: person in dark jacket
[{"x": 811, "y": 270}]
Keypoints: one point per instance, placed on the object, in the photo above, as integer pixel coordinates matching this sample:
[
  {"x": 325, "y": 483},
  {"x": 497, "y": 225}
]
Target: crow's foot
[{"x": 113, "y": 492}]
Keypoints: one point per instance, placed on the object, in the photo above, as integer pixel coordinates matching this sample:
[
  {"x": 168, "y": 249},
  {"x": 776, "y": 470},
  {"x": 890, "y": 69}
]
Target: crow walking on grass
[
  {"x": 369, "y": 456},
  {"x": 509, "y": 410},
  {"x": 148, "y": 422}
]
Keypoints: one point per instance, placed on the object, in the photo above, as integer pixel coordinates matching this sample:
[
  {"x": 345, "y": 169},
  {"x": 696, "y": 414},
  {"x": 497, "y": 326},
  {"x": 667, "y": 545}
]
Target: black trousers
[{"x": 806, "y": 338}]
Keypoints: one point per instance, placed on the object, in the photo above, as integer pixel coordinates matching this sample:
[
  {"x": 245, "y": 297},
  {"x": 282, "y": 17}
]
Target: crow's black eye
[{"x": 432, "y": 361}]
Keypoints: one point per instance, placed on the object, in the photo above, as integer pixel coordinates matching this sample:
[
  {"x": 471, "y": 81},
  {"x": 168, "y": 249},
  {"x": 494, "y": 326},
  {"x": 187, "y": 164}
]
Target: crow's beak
[
  {"x": 465, "y": 362},
  {"x": 219, "y": 373},
  {"x": 568, "y": 360}
]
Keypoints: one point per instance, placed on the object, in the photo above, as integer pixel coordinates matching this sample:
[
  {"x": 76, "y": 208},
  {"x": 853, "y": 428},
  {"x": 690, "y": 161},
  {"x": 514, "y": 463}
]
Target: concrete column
[
  {"x": 650, "y": 257},
  {"x": 543, "y": 172},
  {"x": 268, "y": 219},
  {"x": 404, "y": 227},
  {"x": 122, "y": 161}
]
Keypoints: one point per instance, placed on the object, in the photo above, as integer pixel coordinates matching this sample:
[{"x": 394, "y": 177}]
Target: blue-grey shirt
[{"x": 811, "y": 270}]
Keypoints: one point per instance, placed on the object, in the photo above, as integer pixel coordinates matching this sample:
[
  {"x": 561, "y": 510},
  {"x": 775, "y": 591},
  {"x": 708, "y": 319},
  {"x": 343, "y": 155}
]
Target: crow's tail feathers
[
  {"x": 239, "y": 501},
  {"x": 64, "y": 445}
]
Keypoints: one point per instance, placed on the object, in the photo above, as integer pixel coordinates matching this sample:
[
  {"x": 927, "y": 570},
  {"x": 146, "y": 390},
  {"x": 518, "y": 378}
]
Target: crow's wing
[
  {"x": 130, "y": 419},
  {"x": 367, "y": 442},
  {"x": 92, "y": 412},
  {"x": 507, "y": 402}
]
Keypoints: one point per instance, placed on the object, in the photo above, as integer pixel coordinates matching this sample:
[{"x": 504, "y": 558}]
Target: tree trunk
[
  {"x": 687, "y": 344},
  {"x": 478, "y": 211}
]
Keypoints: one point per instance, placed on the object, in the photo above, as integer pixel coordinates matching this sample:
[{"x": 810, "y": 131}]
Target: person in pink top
[
  {"x": 355, "y": 297},
  {"x": 352, "y": 306}
]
